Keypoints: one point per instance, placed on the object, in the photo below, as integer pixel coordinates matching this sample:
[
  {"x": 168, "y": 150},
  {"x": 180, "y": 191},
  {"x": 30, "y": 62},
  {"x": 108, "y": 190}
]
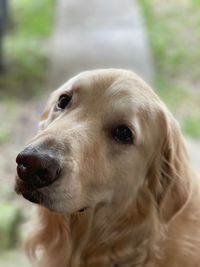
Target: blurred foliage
[
  {"x": 9, "y": 108},
  {"x": 4, "y": 135},
  {"x": 25, "y": 47},
  {"x": 191, "y": 125},
  {"x": 173, "y": 29},
  {"x": 10, "y": 217},
  {"x": 32, "y": 18}
]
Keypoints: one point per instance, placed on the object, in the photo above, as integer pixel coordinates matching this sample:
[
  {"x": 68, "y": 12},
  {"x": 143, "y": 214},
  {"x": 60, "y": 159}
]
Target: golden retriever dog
[{"x": 111, "y": 178}]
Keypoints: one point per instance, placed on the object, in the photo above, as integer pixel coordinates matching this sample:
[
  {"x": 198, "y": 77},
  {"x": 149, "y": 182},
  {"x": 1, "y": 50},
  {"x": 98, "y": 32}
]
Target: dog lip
[
  {"x": 82, "y": 210},
  {"x": 21, "y": 186},
  {"x": 28, "y": 193},
  {"x": 32, "y": 197}
]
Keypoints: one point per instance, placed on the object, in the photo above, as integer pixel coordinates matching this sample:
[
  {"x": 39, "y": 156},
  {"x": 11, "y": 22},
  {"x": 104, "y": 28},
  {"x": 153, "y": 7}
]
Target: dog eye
[
  {"x": 122, "y": 134},
  {"x": 63, "y": 101}
]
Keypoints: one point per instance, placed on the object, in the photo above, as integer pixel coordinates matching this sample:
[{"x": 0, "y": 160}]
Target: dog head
[{"x": 99, "y": 138}]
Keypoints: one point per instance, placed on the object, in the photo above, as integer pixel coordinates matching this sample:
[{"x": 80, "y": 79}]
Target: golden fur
[{"x": 143, "y": 198}]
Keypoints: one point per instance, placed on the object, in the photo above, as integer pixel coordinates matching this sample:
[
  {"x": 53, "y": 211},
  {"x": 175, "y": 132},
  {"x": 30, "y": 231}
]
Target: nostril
[
  {"x": 21, "y": 167},
  {"x": 58, "y": 172},
  {"x": 21, "y": 170}
]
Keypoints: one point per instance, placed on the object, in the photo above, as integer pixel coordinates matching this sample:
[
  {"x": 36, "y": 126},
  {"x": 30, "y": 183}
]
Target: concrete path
[{"x": 98, "y": 34}]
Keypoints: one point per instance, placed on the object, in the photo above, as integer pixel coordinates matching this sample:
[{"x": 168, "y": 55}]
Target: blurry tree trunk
[{"x": 3, "y": 24}]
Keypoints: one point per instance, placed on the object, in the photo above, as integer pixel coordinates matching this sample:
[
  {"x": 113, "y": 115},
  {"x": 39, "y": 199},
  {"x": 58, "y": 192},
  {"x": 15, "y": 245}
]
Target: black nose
[{"x": 37, "y": 169}]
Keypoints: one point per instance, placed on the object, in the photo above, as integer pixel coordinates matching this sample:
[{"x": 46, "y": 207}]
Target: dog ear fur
[{"x": 169, "y": 172}]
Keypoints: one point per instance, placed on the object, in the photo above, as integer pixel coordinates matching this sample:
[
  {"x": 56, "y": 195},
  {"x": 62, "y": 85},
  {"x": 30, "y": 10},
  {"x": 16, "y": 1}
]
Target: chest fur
[{"x": 106, "y": 245}]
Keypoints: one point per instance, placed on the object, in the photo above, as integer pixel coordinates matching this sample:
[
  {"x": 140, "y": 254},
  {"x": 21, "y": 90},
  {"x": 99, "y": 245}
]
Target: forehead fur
[{"x": 114, "y": 85}]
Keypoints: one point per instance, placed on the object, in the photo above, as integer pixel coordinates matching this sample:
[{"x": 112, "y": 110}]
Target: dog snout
[{"x": 37, "y": 169}]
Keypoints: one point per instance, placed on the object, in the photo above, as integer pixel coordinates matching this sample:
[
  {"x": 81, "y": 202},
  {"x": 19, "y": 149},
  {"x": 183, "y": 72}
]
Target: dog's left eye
[
  {"x": 122, "y": 134},
  {"x": 63, "y": 101}
]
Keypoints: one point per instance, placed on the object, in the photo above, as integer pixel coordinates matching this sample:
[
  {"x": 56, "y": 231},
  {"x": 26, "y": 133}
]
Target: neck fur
[{"x": 103, "y": 236}]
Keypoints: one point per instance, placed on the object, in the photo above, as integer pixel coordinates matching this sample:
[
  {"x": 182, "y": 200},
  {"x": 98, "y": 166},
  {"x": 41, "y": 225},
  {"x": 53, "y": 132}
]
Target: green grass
[
  {"x": 191, "y": 125},
  {"x": 25, "y": 47},
  {"x": 32, "y": 18},
  {"x": 173, "y": 30}
]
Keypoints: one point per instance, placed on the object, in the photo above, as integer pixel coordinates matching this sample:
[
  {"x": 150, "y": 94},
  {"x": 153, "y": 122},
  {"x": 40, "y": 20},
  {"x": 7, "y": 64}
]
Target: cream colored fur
[{"x": 143, "y": 199}]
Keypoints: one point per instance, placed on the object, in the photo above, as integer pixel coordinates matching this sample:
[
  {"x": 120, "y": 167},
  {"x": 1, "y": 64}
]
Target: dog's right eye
[
  {"x": 122, "y": 134},
  {"x": 63, "y": 102}
]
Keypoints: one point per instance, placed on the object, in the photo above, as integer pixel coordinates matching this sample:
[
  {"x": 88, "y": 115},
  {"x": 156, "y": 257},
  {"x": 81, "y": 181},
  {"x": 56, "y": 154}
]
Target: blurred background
[{"x": 44, "y": 42}]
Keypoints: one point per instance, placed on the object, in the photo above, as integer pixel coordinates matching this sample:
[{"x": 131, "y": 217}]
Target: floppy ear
[{"x": 169, "y": 171}]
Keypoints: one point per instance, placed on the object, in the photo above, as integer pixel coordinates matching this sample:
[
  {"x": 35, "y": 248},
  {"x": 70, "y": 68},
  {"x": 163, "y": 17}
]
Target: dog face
[{"x": 96, "y": 140}]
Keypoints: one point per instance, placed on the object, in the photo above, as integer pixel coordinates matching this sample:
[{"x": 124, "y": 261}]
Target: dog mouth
[
  {"x": 83, "y": 210},
  {"x": 29, "y": 193},
  {"x": 35, "y": 195}
]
